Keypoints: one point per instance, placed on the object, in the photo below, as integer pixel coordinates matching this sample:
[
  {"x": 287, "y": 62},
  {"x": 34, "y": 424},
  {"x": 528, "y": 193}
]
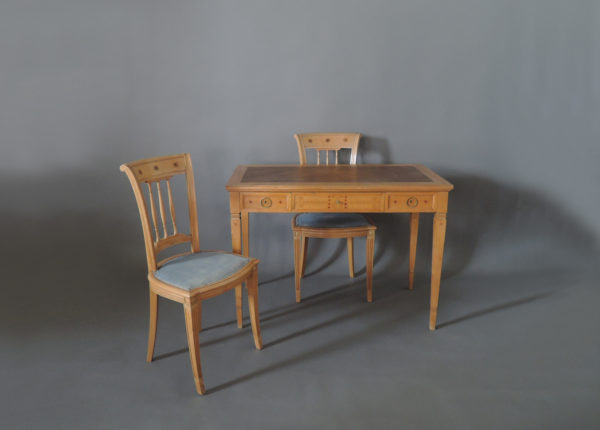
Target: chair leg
[
  {"x": 198, "y": 310},
  {"x": 297, "y": 266},
  {"x": 152, "y": 326},
  {"x": 238, "y": 306},
  {"x": 252, "y": 287},
  {"x": 351, "y": 256},
  {"x": 370, "y": 254},
  {"x": 191, "y": 328},
  {"x": 304, "y": 250}
]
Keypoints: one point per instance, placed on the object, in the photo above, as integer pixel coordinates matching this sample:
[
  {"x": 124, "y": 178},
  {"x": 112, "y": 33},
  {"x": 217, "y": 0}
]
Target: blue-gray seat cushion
[
  {"x": 331, "y": 220},
  {"x": 199, "y": 269}
]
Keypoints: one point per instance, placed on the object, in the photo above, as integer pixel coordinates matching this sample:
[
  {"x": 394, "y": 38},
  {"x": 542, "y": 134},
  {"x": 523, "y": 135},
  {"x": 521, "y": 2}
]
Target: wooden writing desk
[{"x": 410, "y": 188}]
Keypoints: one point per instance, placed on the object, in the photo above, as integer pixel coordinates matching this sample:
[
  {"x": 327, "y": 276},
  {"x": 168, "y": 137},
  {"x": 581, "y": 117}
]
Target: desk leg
[
  {"x": 370, "y": 255},
  {"x": 439, "y": 234},
  {"x": 414, "y": 233},
  {"x": 236, "y": 248},
  {"x": 245, "y": 233},
  {"x": 245, "y": 253}
]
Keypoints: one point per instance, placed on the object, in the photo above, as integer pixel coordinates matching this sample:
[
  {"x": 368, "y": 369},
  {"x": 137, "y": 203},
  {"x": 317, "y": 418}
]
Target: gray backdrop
[{"x": 501, "y": 97}]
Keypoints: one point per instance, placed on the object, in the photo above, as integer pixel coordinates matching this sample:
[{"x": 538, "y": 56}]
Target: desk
[{"x": 381, "y": 188}]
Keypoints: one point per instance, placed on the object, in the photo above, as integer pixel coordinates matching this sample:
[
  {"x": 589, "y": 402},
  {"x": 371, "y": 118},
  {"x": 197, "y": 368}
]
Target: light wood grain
[
  {"x": 161, "y": 207},
  {"x": 298, "y": 258},
  {"x": 330, "y": 202},
  {"x": 236, "y": 248},
  {"x": 350, "y": 247},
  {"x": 239, "y": 313},
  {"x": 245, "y": 234},
  {"x": 414, "y": 232},
  {"x": 252, "y": 286},
  {"x": 192, "y": 329},
  {"x": 304, "y": 252},
  {"x": 159, "y": 169},
  {"x": 401, "y": 188},
  {"x": 327, "y": 142},
  {"x": 171, "y": 206},
  {"x": 152, "y": 325},
  {"x": 439, "y": 234},
  {"x": 153, "y": 211},
  {"x": 370, "y": 254}
]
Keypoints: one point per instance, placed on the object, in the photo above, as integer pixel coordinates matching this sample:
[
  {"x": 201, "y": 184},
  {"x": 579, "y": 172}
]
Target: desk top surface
[{"x": 332, "y": 177}]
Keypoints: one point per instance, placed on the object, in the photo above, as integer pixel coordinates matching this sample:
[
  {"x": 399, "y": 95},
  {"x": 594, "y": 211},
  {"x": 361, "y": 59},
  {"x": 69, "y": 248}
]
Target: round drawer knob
[
  {"x": 266, "y": 202},
  {"x": 412, "y": 202}
]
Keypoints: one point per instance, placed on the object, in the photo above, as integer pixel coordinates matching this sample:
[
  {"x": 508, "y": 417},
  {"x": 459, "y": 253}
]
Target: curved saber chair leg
[
  {"x": 238, "y": 306},
  {"x": 350, "y": 242},
  {"x": 152, "y": 325},
  {"x": 192, "y": 328},
  {"x": 252, "y": 286}
]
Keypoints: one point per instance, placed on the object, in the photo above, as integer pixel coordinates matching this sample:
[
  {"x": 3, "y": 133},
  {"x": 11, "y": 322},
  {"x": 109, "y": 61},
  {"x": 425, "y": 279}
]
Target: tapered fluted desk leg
[
  {"x": 236, "y": 247},
  {"x": 439, "y": 234}
]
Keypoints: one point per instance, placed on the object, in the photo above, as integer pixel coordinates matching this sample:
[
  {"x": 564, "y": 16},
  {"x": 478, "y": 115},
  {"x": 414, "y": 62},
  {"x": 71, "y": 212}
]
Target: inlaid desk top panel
[{"x": 388, "y": 177}]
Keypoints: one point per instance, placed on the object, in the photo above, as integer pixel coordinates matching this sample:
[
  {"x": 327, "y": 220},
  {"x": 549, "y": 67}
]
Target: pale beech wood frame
[
  {"x": 151, "y": 172},
  {"x": 301, "y": 235},
  {"x": 330, "y": 142},
  {"x": 327, "y": 142},
  {"x": 367, "y": 196}
]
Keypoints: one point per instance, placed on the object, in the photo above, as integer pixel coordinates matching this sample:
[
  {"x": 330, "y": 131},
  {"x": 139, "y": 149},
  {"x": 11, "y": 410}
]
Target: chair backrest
[
  {"x": 328, "y": 142},
  {"x": 150, "y": 174}
]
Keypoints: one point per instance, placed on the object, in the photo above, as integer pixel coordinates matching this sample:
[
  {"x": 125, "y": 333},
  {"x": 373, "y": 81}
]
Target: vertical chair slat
[
  {"x": 336, "y": 156},
  {"x": 318, "y": 157},
  {"x": 153, "y": 211},
  {"x": 161, "y": 207},
  {"x": 327, "y": 157},
  {"x": 171, "y": 206}
]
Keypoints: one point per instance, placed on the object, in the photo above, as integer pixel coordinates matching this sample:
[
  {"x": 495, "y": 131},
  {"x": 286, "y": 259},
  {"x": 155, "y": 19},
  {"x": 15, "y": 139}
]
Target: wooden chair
[
  {"x": 331, "y": 225},
  {"x": 189, "y": 277}
]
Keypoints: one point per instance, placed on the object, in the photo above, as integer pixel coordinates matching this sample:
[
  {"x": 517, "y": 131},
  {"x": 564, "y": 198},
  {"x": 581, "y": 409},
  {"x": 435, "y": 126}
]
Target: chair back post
[
  {"x": 192, "y": 206},
  {"x": 154, "y": 171},
  {"x": 145, "y": 219},
  {"x": 327, "y": 142}
]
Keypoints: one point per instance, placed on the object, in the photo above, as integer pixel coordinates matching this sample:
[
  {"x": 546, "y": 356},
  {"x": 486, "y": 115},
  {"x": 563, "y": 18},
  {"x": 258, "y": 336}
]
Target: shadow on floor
[
  {"x": 495, "y": 308},
  {"x": 96, "y": 257}
]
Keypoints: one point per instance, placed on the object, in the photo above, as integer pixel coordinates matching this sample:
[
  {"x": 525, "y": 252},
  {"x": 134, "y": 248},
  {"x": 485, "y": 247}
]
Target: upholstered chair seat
[
  {"x": 331, "y": 220},
  {"x": 200, "y": 269}
]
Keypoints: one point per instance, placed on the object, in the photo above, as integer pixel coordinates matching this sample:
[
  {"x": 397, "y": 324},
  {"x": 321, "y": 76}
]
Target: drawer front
[
  {"x": 267, "y": 202},
  {"x": 411, "y": 202},
  {"x": 339, "y": 202}
]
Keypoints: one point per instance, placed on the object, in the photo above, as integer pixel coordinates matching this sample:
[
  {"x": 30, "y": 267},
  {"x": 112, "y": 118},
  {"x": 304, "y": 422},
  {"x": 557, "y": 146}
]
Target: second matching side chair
[
  {"x": 189, "y": 277},
  {"x": 331, "y": 225}
]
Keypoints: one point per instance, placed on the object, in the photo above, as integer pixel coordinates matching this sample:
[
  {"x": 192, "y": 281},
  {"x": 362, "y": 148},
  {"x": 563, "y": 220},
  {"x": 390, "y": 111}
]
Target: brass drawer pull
[
  {"x": 412, "y": 202},
  {"x": 266, "y": 202}
]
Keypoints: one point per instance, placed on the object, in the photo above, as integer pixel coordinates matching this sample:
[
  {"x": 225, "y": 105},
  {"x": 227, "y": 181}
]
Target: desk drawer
[
  {"x": 339, "y": 202},
  {"x": 411, "y": 202},
  {"x": 268, "y": 202}
]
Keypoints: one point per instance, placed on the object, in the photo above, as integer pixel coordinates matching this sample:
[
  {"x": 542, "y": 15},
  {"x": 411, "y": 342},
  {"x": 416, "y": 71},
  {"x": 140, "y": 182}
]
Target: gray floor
[{"x": 513, "y": 350}]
